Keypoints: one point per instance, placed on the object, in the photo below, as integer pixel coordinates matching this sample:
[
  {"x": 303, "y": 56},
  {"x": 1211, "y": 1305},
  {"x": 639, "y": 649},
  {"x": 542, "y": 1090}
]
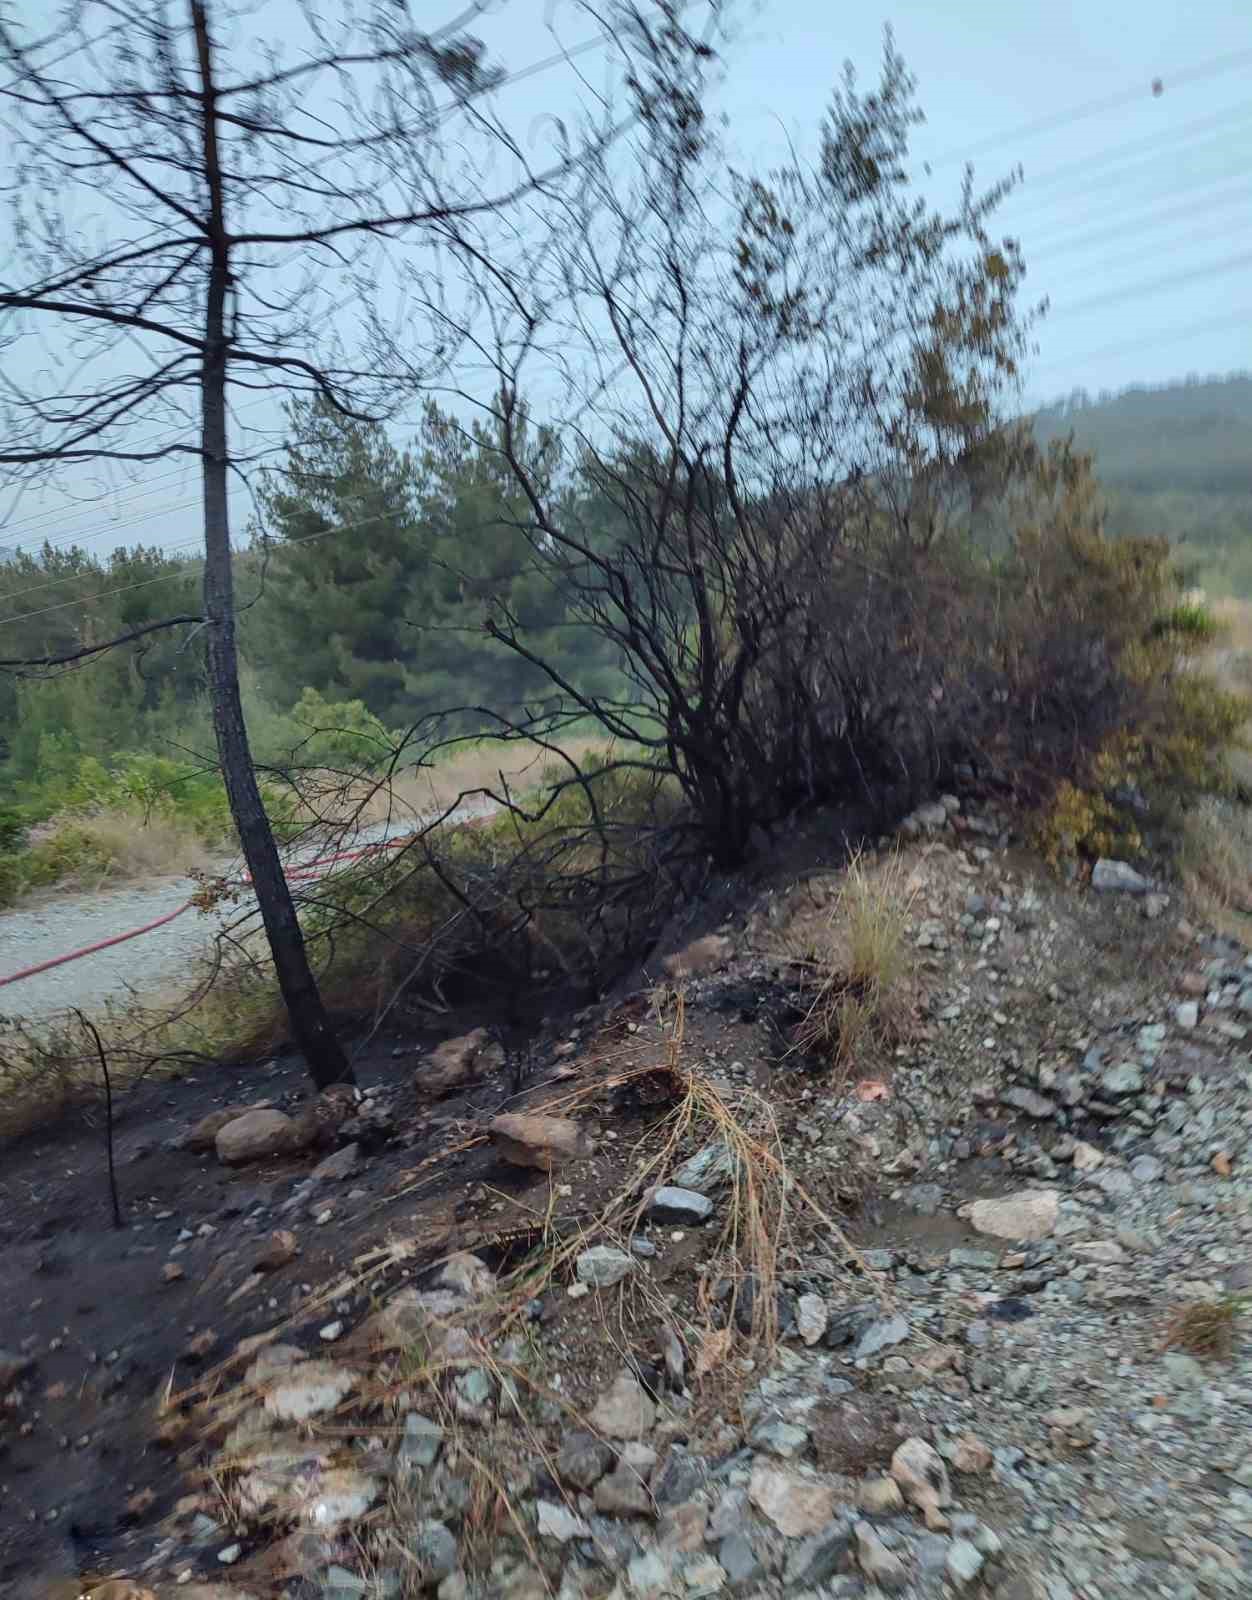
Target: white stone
[{"x": 1027, "y": 1217}]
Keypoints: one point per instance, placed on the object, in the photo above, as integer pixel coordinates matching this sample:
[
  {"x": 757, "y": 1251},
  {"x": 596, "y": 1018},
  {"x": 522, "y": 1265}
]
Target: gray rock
[
  {"x": 1118, "y": 877},
  {"x": 420, "y": 1443},
  {"x": 474, "y": 1393},
  {"x": 931, "y": 1554},
  {"x": 681, "y": 1475},
  {"x": 1113, "y": 1182},
  {"x": 559, "y": 1522},
  {"x": 671, "y": 1204},
  {"x": 779, "y": 1438},
  {"x": 974, "y": 1260},
  {"x": 624, "y": 1493},
  {"x": 924, "y": 1198},
  {"x": 729, "y": 1515},
  {"x": 1028, "y": 1101},
  {"x": 741, "y": 1563},
  {"x": 340, "y": 1584},
  {"x": 624, "y": 1410},
  {"x": 812, "y": 1318},
  {"x": 650, "y": 1575},
  {"x": 602, "y": 1266},
  {"x": 583, "y": 1460},
  {"x": 339, "y": 1166},
  {"x": 882, "y": 1334},
  {"x": 932, "y": 816},
  {"x": 879, "y": 1260},
  {"x": 434, "y": 1550},
  {"x": 1123, "y": 1079},
  {"x": 965, "y": 1561},
  {"x": 820, "y": 1556},
  {"x": 707, "y": 1171},
  {"x": 1146, "y": 1169},
  {"x": 879, "y": 1565}
]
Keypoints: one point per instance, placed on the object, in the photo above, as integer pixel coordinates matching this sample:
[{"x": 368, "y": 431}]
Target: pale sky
[{"x": 1134, "y": 218}]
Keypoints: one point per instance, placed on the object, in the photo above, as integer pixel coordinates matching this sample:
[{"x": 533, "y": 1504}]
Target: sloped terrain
[{"x": 918, "y": 1324}]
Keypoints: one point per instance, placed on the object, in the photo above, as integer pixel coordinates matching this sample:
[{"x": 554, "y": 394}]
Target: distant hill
[{"x": 1174, "y": 460}]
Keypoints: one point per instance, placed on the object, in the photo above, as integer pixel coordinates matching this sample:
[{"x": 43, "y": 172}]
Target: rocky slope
[{"x": 972, "y": 1381}]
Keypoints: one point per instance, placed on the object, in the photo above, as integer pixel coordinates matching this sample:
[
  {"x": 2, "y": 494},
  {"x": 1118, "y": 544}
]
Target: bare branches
[{"x": 87, "y": 652}]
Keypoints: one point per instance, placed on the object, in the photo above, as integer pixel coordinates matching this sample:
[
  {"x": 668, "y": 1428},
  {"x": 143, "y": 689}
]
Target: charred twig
[{"x": 90, "y": 1027}]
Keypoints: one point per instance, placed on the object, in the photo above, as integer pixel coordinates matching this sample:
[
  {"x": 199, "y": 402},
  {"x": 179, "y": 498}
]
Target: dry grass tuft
[
  {"x": 760, "y": 1206},
  {"x": 1215, "y": 857},
  {"x": 158, "y": 847},
  {"x": 856, "y": 964},
  {"x": 415, "y": 794},
  {"x": 1206, "y": 1327}
]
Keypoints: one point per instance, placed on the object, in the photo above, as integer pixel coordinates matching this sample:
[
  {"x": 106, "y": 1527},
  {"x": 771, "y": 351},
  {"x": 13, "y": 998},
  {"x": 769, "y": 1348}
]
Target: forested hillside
[
  {"x": 1176, "y": 461},
  {"x": 375, "y": 566},
  {"x": 371, "y": 574}
]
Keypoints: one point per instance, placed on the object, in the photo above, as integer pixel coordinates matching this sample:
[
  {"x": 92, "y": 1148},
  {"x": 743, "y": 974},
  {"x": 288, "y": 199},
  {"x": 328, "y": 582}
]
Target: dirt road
[{"x": 56, "y": 924}]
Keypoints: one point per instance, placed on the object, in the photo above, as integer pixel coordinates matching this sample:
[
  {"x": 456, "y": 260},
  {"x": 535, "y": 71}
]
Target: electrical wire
[
  {"x": 1238, "y": 319},
  {"x": 185, "y": 570},
  {"x": 1200, "y": 73}
]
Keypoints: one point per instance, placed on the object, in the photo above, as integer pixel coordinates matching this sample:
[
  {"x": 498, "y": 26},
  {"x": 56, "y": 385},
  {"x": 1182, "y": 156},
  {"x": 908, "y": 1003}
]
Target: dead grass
[
  {"x": 856, "y": 963},
  {"x": 415, "y": 794},
  {"x": 1206, "y": 1327},
  {"x": 159, "y": 847},
  {"x": 533, "y": 1408},
  {"x": 1215, "y": 858}
]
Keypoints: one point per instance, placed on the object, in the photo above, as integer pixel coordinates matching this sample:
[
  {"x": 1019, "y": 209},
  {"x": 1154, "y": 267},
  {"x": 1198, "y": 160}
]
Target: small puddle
[
  {"x": 896, "y": 1227},
  {"x": 887, "y": 1224}
]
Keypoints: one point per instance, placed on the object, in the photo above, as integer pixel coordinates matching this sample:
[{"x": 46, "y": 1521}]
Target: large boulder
[
  {"x": 700, "y": 957},
  {"x": 457, "y": 1062},
  {"x": 203, "y": 1136},
  {"x": 1018, "y": 1218},
  {"x": 258, "y": 1134},
  {"x": 543, "y": 1143}
]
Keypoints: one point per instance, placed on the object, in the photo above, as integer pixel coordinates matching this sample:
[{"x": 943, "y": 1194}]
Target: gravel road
[
  {"x": 65, "y": 922},
  {"x": 53, "y": 926}
]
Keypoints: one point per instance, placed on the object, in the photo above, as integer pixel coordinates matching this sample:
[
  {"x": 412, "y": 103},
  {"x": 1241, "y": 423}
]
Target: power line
[
  {"x": 146, "y": 583},
  {"x": 83, "y": 44},
  {"x": 1155, "y": 285},
  {"x": 1212, "y": 68},
  {"x": 1239, "y": 319},
  {"x": 1134, "y": 178},
  {"x": 1148, "y": 143},
  {"x": 1066, "y": 244}
]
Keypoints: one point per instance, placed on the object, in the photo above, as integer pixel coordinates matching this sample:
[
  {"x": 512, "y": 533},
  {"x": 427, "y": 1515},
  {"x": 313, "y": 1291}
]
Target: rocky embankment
[{"x": 984, "y": 1391}]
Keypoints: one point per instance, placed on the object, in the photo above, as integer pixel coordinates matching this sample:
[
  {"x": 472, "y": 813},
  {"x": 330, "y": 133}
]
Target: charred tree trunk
[{"x": 310, "y": 1025}]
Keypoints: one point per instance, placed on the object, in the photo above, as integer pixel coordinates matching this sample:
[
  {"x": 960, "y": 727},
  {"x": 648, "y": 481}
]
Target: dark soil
[{"x": 108, "y": 1335}]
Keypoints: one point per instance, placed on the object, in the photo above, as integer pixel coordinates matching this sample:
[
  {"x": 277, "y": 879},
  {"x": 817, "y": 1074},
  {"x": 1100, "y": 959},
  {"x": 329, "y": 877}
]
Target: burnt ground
[{"x": 84, "y": 1472}]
